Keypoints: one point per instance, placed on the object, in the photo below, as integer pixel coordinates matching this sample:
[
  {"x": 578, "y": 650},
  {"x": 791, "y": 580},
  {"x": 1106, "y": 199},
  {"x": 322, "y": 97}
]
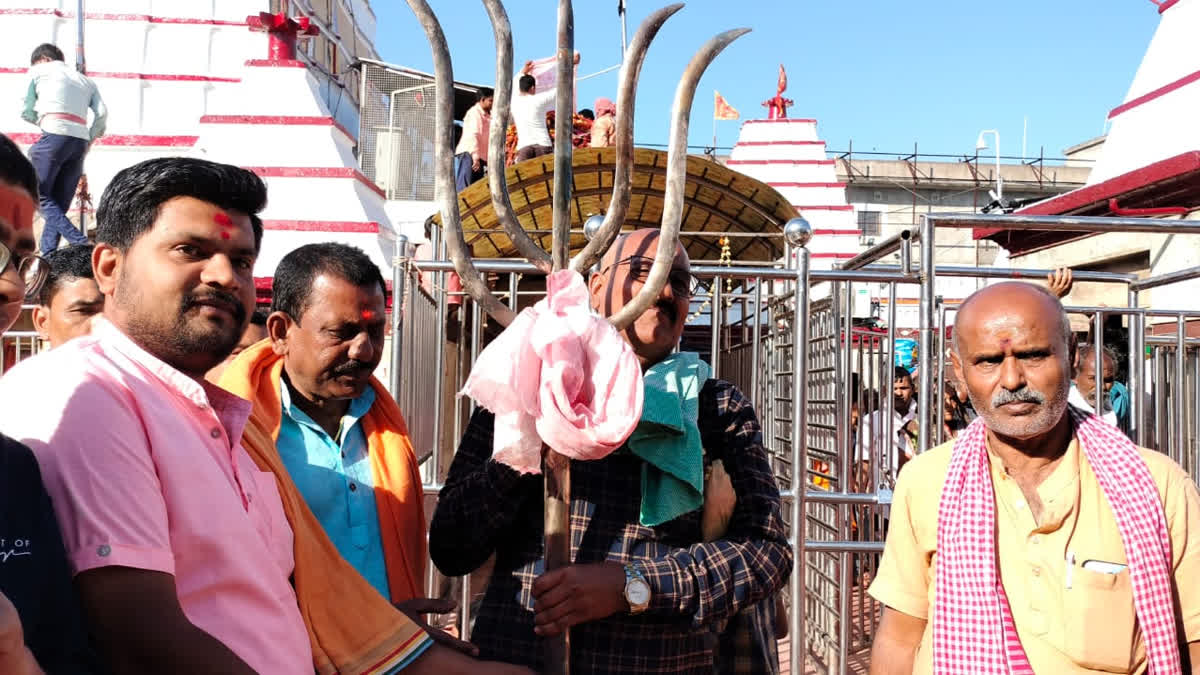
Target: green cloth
[
  {"x": 668, "y": 440},
  {"x": 29, "y": 114}
]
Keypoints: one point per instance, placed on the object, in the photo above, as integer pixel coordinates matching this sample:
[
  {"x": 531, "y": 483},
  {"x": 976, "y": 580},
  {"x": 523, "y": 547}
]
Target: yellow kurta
[{"x": 1077, "y": 621}]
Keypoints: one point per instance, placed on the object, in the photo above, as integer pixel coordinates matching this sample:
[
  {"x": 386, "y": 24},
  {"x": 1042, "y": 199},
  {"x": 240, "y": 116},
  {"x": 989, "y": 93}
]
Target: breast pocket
[{"x": 1100, "y": 620}]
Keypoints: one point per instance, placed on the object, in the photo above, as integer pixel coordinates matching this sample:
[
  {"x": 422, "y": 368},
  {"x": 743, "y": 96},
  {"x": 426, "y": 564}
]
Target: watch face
[{"x": 638, "y": 592}]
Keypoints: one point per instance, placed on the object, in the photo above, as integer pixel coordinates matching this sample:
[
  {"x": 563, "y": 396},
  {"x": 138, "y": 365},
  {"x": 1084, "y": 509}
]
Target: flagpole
[
  {"x": 714, "y": 132},
  {"x": 624, "y": 38}
]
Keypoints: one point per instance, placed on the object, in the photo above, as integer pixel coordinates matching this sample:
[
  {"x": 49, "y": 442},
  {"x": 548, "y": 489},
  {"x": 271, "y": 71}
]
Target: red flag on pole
[
  {"x": 721, "y": 108},
  {"x": 782, "y": 80}
]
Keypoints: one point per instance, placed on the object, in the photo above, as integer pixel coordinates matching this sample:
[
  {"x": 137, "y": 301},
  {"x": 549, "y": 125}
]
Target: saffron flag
[
  {"x": 721, "y": 108},
  {"x": 782, "y": 84}
]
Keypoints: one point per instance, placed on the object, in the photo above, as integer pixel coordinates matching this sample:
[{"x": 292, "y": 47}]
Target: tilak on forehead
[{"x": 221, "y": 218}]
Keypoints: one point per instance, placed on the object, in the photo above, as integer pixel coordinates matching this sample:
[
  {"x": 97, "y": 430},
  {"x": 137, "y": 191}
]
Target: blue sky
[{"x": 882, "y": 73}]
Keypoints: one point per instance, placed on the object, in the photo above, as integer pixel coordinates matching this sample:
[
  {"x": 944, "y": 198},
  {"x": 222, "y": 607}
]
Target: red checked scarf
[{"x": 973, "y": 629}]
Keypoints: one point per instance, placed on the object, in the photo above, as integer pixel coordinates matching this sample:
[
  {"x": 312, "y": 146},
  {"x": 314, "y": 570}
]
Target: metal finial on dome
[
  {"x": 592, "y": 225},
  {"x": 797, "y": 232}
]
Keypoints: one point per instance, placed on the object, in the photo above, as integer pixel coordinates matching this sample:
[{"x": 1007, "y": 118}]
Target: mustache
[
  {"x": 1022, "y": 395},
  {"x": 352, "y": 367},
  {"x": 228, "y": 300}
]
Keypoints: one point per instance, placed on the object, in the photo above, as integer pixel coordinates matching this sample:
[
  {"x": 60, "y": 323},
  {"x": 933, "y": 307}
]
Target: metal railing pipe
[
  {"x": 1082, "y": 224},
  {"x": 1164, "y": 279},
  {"x": 799, "y": 456},
  {"x": 881, "y": 250},
  {"x": 1015, "y": 273},
  {"x": 399, "y": 275},
  {"x": 925, "y": 330}
]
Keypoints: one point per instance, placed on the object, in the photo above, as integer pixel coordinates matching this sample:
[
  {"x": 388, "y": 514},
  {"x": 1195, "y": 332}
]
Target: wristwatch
[{"x": 637, "y": 590}]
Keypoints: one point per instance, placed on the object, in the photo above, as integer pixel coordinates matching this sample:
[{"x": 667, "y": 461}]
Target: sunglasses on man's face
[
  {"x": 32, "y": 269},
  {"x": 683, "y": 282}
]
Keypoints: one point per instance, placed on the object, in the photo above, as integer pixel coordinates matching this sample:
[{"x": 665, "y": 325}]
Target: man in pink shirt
[
  {"x": 471, "y": 154},
  {"x": 179, "y": 545}
]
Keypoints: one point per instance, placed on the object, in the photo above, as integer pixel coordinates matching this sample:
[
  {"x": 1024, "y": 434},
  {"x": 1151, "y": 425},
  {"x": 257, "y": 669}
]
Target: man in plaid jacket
[{"x": 638, "y": 599}]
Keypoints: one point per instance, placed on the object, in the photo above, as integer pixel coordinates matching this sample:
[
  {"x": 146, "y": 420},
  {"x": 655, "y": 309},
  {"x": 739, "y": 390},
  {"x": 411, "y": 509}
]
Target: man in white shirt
[
  {"x": 871, "y": 443},
  {"x": 1083, "y": 388},
  {"x": 471, "y": 155},
  {"x": 529, "y": 108},
  {"x": 57, "y": 101}
]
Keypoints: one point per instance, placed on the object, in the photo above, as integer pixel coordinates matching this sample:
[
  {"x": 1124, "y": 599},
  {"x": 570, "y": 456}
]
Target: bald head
[
  {"x": 642, "y": 243},
  {"x": 1019, "y": 297}
]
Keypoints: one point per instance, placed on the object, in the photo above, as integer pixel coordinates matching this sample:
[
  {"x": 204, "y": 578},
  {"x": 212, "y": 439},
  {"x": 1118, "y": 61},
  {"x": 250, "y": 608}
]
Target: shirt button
[
  {"x": 104, "y": 550},
  {"x": 353, "y": 487},
  {"x": 1037, "y": 571},
  {"x": 1019, "y": 504},
  {"x": 1035, "y": 539},
  {"x": 215, "y": 433}
]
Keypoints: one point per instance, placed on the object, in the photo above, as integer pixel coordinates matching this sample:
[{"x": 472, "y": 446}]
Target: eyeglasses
[
  {"x": 682, "y": 282},
  {"x": 32, "y": 268}
]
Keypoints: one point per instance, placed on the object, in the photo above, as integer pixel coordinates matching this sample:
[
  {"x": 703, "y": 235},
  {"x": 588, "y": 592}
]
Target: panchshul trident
[{"x": 557, "y": 542}]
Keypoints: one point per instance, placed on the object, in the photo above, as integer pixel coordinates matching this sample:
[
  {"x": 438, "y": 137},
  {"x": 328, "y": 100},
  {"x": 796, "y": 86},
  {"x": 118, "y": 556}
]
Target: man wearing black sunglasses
[
  {"x": 661, "y": 582},
  {"x": 40, "y": 623}
]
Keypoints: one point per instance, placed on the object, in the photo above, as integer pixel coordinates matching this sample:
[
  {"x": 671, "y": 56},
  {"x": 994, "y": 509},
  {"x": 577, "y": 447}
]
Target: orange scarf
[{"x": 351, "y": 627}]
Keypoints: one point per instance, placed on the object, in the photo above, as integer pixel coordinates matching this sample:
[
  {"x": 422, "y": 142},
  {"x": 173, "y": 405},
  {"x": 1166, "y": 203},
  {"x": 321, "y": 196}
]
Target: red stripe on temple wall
[
  {"x": 167, "y": 77},
  {"x": 98, "y": 16},
  {"x": 822, "y": 162},
  {"x": 316, "y": 172},
  {"x": 807, "y": 185},
  {"x": 351, "y": 227},
  {"x": 285, "y": 120},
  {"x": 276, "y": 63},
  {"x": 840, "y": 207},
  {"x": 1150, "y": 96},
  {"x": 855, "y": 233},
  {"x": 757, "y": 143},
  {"x": 782, "y": 121},
  {"x": 120, "y": 140}
]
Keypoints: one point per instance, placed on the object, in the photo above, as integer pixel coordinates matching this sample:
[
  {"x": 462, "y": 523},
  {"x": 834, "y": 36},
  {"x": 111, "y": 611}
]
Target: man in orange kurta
[{"x": 339, "y": 448}]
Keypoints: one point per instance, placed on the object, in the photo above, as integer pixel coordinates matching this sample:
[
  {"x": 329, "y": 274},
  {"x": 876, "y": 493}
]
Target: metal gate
[{"x": 814, "y": 390}]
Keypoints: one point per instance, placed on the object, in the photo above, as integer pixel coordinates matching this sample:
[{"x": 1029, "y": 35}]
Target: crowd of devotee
[{"x": 191, "y": 483}]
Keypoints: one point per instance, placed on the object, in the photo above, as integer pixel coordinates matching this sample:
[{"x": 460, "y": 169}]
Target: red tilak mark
[
  {"x": 224, "y": 235},
  {"x": 223, "y": 220},
  {"x": 367, "y": 315}
]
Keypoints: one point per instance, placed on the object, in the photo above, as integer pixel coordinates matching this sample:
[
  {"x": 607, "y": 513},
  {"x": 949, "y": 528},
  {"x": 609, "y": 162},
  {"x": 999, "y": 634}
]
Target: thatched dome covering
[{"x": 717, "y": 202}]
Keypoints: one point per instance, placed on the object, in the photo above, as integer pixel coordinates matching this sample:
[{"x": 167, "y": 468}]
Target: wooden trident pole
[{"x": 556, "y": 467}]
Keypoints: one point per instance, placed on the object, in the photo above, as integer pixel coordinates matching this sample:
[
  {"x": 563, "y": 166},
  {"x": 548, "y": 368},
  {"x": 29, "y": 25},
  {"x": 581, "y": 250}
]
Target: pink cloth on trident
[{"x": 559, "y": 374}]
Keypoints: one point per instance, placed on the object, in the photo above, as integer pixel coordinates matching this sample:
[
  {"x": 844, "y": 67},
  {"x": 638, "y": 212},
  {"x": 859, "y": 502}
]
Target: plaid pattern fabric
[
  {"x": 973, "y": 628},
  {"x": 487, "y": 508},
  {"x": 748, "y": 645}
]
